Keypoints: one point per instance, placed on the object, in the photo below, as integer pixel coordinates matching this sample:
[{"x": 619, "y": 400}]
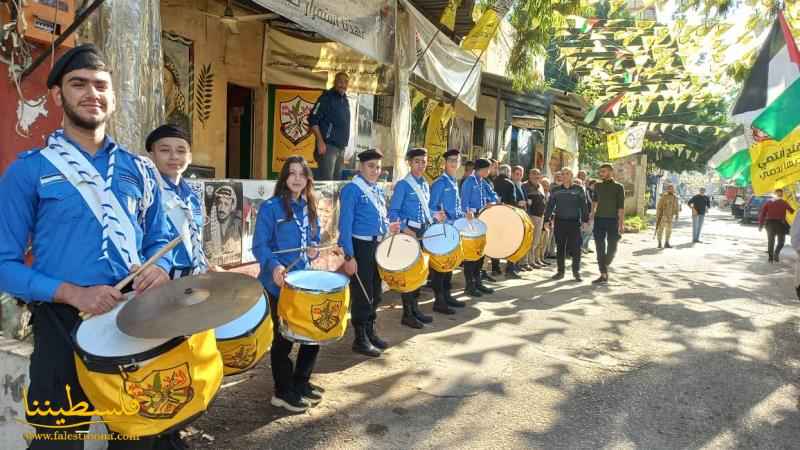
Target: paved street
[{"x": 692, "y": 347}]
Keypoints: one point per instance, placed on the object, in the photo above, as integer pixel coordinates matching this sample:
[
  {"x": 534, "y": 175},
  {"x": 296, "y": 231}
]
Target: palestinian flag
[
  {"x": 771, "y": 93},
  {"x": 732, "y": 161},
  {"x": 598, "y": 112},
  {"x": 585, "y": 25}
]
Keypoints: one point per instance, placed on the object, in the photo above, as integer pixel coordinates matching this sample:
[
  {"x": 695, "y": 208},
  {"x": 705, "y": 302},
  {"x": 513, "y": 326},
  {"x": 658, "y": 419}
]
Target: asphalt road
[{"x": 692, "y": 347}]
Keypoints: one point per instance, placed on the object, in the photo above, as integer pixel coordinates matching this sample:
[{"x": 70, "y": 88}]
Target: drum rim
[
  {"x": 471, "y": 234},
  {"x": 458, "y": 232},
  {"x": 419, "y": 255},
  {"x": 317, "y": 291},
  {"x": 252, "y": 331},
  {"x": 111, "y": 364},
  {"x": 303, "y": 340}
]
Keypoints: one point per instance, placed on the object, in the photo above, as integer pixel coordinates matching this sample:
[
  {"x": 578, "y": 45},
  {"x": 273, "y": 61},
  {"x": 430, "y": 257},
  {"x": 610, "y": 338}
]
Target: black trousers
[
  {"x": 441, "y": 281},
  {"x": 52, "y": 369},
  {"x": 285, "y": 374},
  {"x": 472, "y": 270},
  {"x": 567, "y": 233},
  {"x": 364, "y": 309},
  {"x": 775, "y": 229},
  {"x": 606, "y": 228}
]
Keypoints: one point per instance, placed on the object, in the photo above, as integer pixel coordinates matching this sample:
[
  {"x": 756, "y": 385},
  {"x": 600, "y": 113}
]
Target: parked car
[{"x": 753, "y": 207}]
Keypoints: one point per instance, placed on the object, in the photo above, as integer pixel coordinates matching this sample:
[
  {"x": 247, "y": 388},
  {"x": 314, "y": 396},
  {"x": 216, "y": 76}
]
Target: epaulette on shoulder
[{"x": 27, "y": 153}]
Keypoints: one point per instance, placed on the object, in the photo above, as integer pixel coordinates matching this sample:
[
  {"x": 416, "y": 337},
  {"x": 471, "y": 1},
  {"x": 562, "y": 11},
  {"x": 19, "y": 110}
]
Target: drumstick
[
  {"x": 298, "y": 249},
  {"x": 159, "y": 254},
  {"x": 363, "y": 289},
  {"x": 391, "y": 243}
]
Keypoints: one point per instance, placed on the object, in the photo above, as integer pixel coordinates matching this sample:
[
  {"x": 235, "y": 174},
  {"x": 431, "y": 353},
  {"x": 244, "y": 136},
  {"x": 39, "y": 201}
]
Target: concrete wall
[{"x": 14, "y": 360}]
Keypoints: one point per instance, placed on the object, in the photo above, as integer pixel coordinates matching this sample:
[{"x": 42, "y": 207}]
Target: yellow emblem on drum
[
  {"x": 326, "y": 315},
  {"x": 162, "y": 393},
  {"x": 241, "y": 357}
]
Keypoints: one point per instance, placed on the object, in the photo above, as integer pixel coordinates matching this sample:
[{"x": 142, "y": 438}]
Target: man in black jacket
[
  {"x": 330, "y": 123},
  {"x": 568, "y": 204}
]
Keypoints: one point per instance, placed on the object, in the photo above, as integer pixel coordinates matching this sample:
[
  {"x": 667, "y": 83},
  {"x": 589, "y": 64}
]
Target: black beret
[
  {"x": 414, "y": 152},
  {"x": 482, "y": 163},
  {"x": 452, "y": 152},
  {"x": 166, "y": 131},
  {"x": 369, "y": 155},
  {"x": 85, "y": 56}
]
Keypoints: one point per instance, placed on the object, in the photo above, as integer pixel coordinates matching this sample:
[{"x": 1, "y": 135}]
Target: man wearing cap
[
  {"x": 93, "y": 213},
  {"x": 170, "y": 149},
  {"x": 330, "y": 123},
  {"x": 410, "y": 205},
  {"x": 363, "y": 223},
  {"x": 568, "y": 205},
  {"x": 475, "y": 195},
  {"x": 445, "y": 197}
]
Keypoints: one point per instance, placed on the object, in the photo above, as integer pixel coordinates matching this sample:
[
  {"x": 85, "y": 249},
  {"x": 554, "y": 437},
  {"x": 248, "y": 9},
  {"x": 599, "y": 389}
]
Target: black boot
[
  {"x": 471, "y": 290},
  {"x": 379, "y": 343},
  {"x": 440, "y": 304},
  {"x": 362, "y": 344},
  {"x": 480, "y": 287},
  {"x": 418, "y": 313},
  {"x": 448, "y": 295},
  {"x": 409, "y": 319}
]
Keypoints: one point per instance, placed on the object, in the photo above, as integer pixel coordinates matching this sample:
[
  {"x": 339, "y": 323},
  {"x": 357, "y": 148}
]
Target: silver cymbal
[{"x": 189, "y": 305}]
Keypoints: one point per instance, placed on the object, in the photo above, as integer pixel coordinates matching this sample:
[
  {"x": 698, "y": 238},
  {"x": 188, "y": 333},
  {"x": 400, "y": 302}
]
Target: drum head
[
  {"x": 405, "y": 251},
  {"x": 440, "y": 239},
  {"x": 470, "y": 228},
  {"x": 505, "y": 231},
  {"x": 318, "y": 281},
  {"x": 245, "y": 323},
  {"x": 100, "y": 336}
]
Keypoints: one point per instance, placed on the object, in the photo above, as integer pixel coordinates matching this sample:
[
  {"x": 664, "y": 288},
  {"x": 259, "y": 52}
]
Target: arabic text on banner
[
  {"x": 291, "y": 131},
  {"x": 775, "y": 164}
]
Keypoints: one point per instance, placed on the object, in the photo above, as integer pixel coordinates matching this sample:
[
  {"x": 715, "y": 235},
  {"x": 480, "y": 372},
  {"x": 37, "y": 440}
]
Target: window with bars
[
  {"x": 382, "y": 110},
  {"x": 478, "y": 132}
]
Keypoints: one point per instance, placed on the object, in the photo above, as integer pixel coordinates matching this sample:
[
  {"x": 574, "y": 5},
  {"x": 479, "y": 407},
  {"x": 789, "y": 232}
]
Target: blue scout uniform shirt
[
  {"x": 445, "y": 196},
  {"x": 331, "y": 114},
  {"x": 38, "y": 202},
  {"x": 476, "y": 193},
  {"x": 406, "y": 206},
  {"x": 275, "y": 231},
  {"x": 181, "y": 259},
  {"x": 358, "y": 216}
]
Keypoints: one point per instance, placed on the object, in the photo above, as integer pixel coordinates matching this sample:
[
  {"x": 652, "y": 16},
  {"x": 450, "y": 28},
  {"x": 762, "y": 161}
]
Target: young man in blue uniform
[
  {"x": 445, "y": 197},
  {"x": 92, "y": 211},
  {"x": 476, "y": 193},
  {"x": 170, "y": 149},
  {"x": 410, "y": 205},
  {"x": 363, "y": 223}
]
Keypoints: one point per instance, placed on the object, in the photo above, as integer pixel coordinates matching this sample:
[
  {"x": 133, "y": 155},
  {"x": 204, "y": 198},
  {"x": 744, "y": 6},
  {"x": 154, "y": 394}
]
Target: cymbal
[{"x": 189, "y": 305}]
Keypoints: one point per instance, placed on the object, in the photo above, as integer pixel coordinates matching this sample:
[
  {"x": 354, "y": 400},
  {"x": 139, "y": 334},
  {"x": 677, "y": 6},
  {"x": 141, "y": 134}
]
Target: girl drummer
[{"x": 288, "y": 220}]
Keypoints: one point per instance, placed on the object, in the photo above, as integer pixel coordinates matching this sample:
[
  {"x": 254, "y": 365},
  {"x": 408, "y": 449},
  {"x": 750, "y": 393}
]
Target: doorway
[{"x": 239, "y": 154}]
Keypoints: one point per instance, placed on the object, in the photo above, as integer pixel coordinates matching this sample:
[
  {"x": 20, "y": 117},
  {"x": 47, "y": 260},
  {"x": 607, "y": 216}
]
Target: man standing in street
[
  {"x": 666, "y": 210},
  {"x": 773, "y": 216},
  {"x": 568, "y": 204},
  {"x": 330, "y": 123},
  {"x": 608, "y": 211},
  {"x": 536, "y": 204},
  {"x": 700, "y": 203}
]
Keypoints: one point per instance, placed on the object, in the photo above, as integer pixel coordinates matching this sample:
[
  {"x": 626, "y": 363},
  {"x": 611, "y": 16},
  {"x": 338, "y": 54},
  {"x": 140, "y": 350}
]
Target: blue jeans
[{"x": 697, "y": 225}]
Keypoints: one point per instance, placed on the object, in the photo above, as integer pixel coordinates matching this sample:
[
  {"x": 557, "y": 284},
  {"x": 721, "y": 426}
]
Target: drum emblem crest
[
  {"x": 162, "y": 393},
  {"x": 327, "y": 314},
  {"x": 241, "y": 357}
]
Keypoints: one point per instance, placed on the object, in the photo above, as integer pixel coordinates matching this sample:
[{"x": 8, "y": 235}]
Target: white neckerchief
[
  {"x": 479, "y": 185},
  {"x": 453, "y": 183},
  {"x": 424, "y": 197},
  {"x": 304, "y": 228},
  {"x": 96, "y": 192},
  {"x": 374, "y": 197},
  {"x": 180, "y": 214}
]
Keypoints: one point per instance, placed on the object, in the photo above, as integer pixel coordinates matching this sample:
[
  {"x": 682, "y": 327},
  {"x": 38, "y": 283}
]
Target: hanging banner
[
  {"x": 776, "y": 164},
  {"x": 436, "y": 141},
  {"x": 444, "y": 64},
  {"x": 291, "y": 133},
  {"x": 449, "y": 14},
  {"x": 366, "y": 26},
  {"x": 626, "y": 142},
  {"x": 565, "y": 136},
  {"x": 483, "y": 32}
]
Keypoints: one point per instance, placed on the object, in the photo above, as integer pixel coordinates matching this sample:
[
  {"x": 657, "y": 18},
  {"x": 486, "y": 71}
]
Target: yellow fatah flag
[
  {"x": 790, "y": 196},
  {"x": 775, "y": 164},
  {"x": 626, "y": 142},
  {"x": 449, "y": 14},
  {"x": 483, "y": 32}
]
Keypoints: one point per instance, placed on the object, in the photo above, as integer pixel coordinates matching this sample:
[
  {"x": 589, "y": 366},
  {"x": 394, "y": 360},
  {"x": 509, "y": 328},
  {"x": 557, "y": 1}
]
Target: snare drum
[
  {"x": 314, "y": 306},
  {"x": 145, "y": 387},
  {"x": 244, "y": 341},
  {"x": 442, "y": 242},
  {"x": 406, "y": 270},
  {"x": 509, "y": 233},
  {"x": 473, "y": 237}
]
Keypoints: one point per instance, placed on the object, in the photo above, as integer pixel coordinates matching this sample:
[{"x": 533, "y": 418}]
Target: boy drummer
[
  {"x": 445, "y": 197},
  {"x": 410, "y": 205},
  {"x": 476, "y": 193},
  {"x": 363, "y": 222}
]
